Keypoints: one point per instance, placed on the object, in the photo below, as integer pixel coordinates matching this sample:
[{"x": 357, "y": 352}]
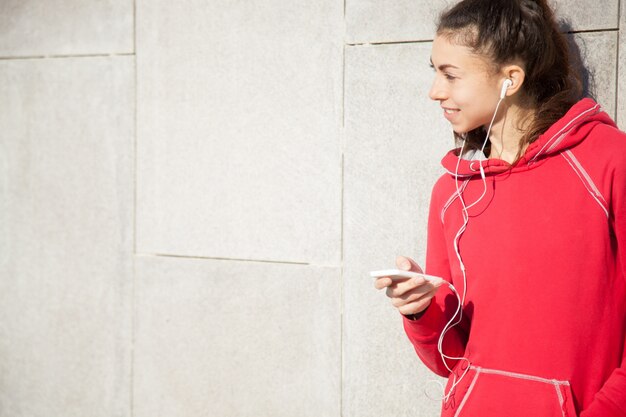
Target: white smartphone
[{"x": 399, "y": 274}]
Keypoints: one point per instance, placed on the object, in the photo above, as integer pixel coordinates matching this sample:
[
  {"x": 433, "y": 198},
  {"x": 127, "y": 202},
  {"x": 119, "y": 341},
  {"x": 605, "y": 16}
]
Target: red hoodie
[{"x": 544, "y": 318}]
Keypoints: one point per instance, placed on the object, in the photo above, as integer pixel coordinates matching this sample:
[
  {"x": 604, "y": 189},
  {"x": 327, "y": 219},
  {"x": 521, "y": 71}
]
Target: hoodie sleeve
[
  {"x": 610, "y": 401},
  {"x": 424, "y": 332}
]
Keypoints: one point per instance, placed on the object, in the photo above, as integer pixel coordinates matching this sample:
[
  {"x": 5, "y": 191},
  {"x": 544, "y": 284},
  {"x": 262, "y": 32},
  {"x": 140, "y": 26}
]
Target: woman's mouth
[{"x": 450, "y": 113}]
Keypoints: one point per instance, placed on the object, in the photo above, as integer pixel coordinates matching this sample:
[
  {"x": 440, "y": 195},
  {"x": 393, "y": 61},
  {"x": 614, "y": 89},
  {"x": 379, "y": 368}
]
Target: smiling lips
[{"x": 450, "y": 114}]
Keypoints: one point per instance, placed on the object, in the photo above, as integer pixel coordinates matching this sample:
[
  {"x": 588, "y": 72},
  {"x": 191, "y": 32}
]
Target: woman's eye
[{"x": 448, "y": 76}]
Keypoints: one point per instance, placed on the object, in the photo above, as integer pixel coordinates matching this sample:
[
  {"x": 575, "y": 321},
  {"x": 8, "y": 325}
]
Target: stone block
[
  {"x": 395, "y": 138},
  {"x": 226, "y": 338},
  {"x": 599, "y": 53},
  {"x": 65, "y": 27},
  {"x": 586, "y": 15},
  {"x": 391, "y": 21},
  {"x": 66, "y": 206},
  {"x": 239, "y": 130}
]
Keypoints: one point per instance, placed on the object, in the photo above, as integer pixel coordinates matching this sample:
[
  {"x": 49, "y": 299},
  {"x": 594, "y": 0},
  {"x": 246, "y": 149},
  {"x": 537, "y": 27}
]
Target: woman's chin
[{"x": 462, "y": 130}]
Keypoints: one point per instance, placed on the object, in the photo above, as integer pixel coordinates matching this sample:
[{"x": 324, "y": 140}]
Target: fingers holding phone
[{"x": 409, "y": 289}]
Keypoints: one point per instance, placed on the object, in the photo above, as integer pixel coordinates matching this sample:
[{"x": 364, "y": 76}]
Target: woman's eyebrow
[{"x": 442, "y": 67}]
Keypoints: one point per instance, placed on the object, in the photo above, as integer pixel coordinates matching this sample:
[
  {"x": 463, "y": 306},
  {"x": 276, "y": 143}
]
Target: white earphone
[{"x": 505, "y": 85}]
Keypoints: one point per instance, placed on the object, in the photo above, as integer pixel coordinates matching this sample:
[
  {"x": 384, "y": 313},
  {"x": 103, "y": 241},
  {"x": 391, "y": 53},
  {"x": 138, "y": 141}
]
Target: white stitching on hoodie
[
  {"x": 559, "y": 394},
  {"x": 519, "y": 376},
  {"x": 586, "y": 180},
  {"x": 469, "y": 391},
  {"x": 480, "y": 370},
  {"x": 595, "y": 109}
]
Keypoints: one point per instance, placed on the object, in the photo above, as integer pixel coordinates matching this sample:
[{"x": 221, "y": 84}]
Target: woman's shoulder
[
  {"x": 444, "y": 187},
  {"x": 610, "y": 133},
  {"x": 605, "y": 142},
  {"x": 601, "y": 156}
]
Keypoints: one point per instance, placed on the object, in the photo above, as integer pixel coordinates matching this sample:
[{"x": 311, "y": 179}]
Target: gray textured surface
[
  {"x": 223, "y": 338},
  {"x": 65, "y": 27},
  {"x": 396, "y": 20},
  {"x": 241, "y": 137},
  {"x": 65, "y": 236},
  {"x": 395, "y": 138},
  {"x": 239, "y": 124},
  {"x": 599, "y": 51},
  {"x": 585, "y": 15}
]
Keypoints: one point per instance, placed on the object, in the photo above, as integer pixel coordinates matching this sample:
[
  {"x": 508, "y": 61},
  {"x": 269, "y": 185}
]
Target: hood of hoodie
[{"x": 567, "y": 132}]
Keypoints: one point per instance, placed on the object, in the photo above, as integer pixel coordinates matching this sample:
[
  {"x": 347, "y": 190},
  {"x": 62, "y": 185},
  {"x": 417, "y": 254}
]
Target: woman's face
[{"x": 466, "y": 89}]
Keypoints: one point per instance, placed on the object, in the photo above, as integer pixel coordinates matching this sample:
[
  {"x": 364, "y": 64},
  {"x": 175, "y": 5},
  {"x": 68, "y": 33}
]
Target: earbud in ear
[{"x": 505, "y": 85}]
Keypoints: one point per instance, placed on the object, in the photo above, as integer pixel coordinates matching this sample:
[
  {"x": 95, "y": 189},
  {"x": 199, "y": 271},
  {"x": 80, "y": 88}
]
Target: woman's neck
[{"x": 506, "y": 134}]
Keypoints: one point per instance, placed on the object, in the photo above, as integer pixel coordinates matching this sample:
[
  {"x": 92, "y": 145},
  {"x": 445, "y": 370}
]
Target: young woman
[{"x": 527, "y": 227}]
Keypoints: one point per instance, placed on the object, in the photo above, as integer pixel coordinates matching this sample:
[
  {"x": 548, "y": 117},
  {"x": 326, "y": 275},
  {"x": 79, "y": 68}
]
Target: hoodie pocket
[{"x": 492, "y": 392}]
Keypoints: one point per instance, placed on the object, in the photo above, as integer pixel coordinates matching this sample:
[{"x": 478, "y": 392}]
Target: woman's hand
[{"x": 410, "y": 295}]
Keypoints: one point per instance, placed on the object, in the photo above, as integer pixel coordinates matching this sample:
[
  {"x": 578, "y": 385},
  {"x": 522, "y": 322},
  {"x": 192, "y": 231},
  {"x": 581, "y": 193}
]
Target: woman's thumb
[{"x": 407, "y": 264}]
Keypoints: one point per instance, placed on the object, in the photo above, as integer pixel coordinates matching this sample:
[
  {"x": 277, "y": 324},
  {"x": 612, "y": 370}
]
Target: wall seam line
[
  {"x": 572, "y": 32},
  {"x": 133, "y": 300},
  {"x": 620, "y": 7},
  {"x": 342, "y": 280},
  {"x": 27, "y": 57}
]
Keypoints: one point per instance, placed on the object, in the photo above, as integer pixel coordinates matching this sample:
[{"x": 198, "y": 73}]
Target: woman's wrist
[{"x": 416, "y": 316}]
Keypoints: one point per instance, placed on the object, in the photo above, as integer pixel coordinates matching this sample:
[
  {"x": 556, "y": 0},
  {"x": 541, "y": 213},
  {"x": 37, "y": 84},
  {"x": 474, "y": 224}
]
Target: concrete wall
[{"x": 192, "y": 193}]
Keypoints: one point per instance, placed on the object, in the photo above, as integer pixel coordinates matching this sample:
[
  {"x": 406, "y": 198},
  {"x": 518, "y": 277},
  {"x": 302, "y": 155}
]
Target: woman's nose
[{"x": 436, "y": 91}]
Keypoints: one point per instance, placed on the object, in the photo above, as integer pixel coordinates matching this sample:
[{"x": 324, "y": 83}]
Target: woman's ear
[{"x": 516, "y": 74}]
